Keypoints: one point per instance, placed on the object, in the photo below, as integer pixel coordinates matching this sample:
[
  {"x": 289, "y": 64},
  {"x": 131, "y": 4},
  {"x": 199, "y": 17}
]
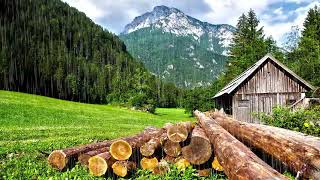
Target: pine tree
[{"x": 306, "y": 57}]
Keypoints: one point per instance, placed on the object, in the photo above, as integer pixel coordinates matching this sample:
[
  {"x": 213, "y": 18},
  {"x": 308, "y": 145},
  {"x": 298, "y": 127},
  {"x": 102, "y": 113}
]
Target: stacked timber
[
  {"x": 210, "y": 144},
  {"x": 299, "y": 152}
]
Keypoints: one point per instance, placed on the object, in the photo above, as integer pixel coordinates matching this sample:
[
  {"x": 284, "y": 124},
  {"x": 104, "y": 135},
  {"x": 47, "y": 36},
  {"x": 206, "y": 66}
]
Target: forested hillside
[
  {"x": 52, "y": 49},
  {"x": 177, "y": 47}
]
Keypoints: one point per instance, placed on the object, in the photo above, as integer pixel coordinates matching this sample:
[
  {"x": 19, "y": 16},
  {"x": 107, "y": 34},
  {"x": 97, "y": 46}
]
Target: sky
[{"x": 276, "y": 16}]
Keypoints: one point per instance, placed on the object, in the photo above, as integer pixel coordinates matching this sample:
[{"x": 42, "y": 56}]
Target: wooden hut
[{"x": 265, "y": 84}]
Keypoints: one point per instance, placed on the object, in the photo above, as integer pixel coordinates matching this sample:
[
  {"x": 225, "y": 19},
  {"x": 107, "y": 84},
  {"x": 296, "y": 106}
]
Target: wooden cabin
[{"x": 265, "y": 84}]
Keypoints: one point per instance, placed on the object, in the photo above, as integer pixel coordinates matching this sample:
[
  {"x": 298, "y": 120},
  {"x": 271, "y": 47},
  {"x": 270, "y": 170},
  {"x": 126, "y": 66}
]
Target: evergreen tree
[{"x": 306, "y": 57}]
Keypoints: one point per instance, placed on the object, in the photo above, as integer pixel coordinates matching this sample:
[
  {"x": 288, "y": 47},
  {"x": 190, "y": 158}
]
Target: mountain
[
  {"x": 178, "y": 48},
  {"x": 51, "y": 49}
]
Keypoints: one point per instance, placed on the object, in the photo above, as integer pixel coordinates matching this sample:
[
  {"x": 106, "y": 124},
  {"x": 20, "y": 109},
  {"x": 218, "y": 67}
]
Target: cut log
[
  {"x": 238, "y": 161},
  {"x": 84, "y": 157},
  {"x": 182, "y": 164},
  {"x": 120, "y": 150},
  {"x": 199, "y": 150},
  {"x": 162, "y": 168},
  {"x": 99, "y": 164},
  {"x": 216, "y": 165},
  {"x": 172, "y": 148},
  {"x": 287, "y": 146},
  {"x": 178, "y": 132},
  {"x": 150, "y": 147},
  {"x": 60, "y": 159},
  {"x": 149, "y": 163},
  {"x": 122, "y": 168},
  {"x": 204, "y": 172}
]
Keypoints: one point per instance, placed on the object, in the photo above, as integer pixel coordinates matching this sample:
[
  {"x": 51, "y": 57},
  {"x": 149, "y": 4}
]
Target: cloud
[{"x": 277, "y": 16}]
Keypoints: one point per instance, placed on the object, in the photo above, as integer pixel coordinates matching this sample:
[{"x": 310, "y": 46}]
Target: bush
[
  {"x": 302, "y": 120},
  {"x": 142, "y": 102}
]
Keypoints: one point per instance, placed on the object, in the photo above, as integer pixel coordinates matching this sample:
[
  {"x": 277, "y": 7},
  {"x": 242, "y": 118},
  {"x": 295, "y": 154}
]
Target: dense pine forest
[{"x": 52, "y": 49}]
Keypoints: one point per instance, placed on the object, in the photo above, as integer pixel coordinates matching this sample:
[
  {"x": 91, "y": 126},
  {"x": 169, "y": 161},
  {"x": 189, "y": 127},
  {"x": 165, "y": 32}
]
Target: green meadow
[{"x": 32, "y": 126}]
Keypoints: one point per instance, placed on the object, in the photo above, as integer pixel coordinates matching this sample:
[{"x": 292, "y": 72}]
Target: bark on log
[
  {"x": 84, "y": 157},
  {"x": 286, "y": 146},
  {"x": 122, "y": 168},
  {"x": 99, "y": 164},
  {"x": 149, "y": 163},
  {"x": 178, "y": 132},
  {"x": 150, "y": 147},
  {"x": 199, "y": 150},
  {"x": 60, "y": 159},
  {"x": 172, "y": 148},
  {"x": 120, "y": 150},
  {"x": 236, "y": 159}
]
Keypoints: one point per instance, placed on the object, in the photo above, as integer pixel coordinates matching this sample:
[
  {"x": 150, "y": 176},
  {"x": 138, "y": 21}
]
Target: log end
[
  {"x": 84, "y": 159},
  {"x": 204, "y": 172},
  {"x": 58, "y": 159},
  {"x": 182, "y": 164},
  {"x": 171, "y": 148},
  {"x": 149, "y": 163},
  {"x": 198, "y": 152},
  {"x": 177, "y": 133},
  {"x": 162, "y": 168},
  {"x": 146, "y": 150},
  {"x": 216, "y": 165},
  {"x": 119, "y": 169},
  {"x": 97, "y": 166},
  {"x": 120, "y": 150}
]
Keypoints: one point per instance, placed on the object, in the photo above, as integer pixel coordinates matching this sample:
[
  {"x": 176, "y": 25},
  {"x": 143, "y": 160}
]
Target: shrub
[
  {"x": 302, "y": 120},
  {"x": 142, "y": 102}
]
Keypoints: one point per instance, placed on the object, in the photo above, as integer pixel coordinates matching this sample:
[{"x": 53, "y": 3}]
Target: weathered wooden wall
[{"x": 269, "y": 87}]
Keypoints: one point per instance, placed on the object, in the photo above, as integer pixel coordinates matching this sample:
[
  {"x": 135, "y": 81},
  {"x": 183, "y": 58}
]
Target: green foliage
[
  {"x": 142, "y": 102},
  {"x": 289, "y": 175},
  {"x": 32, "y": 124},
  {"x": 175, "y": 174},
  {"x": 305, "y": 59},
  {"x": 174, "y": 58},
  {"x": 248, "y": 46},
  {"x": 52, "y": 49},
  {"x": 302, "y": 120}
]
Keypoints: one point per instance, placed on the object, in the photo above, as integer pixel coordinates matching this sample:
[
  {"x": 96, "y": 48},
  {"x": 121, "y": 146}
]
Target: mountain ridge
[{"x": 172, "y": 44}]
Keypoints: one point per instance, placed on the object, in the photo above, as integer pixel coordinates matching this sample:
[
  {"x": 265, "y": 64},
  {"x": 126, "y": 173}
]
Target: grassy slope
[{"x": 30, "y": 124}]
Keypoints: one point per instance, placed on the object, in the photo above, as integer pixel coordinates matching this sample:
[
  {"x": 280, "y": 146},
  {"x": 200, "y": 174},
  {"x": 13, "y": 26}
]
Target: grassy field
[{"x": 31, "y": 125}]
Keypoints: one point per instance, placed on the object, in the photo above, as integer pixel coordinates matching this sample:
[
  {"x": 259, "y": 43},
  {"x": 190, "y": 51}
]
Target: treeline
[
  {"x": 250, "y": 44},
  {"x": 52, "y": 49}
]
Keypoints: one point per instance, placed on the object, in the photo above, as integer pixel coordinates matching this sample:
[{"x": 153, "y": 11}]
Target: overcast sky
[{"x": 277, "y": 16}]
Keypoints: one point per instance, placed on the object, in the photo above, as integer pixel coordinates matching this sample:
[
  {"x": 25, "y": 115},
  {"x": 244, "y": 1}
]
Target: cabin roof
[{"x": 236, "y": 82}]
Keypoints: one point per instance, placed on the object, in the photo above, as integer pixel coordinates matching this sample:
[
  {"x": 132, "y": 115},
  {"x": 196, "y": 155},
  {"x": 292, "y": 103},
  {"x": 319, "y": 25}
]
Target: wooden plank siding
[{"x": 268, "y": 87}]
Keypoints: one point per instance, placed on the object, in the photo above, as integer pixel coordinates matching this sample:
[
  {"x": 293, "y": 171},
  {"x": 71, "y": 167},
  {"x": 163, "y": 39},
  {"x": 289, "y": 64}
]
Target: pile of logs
[{"x": 215, "y": 143}]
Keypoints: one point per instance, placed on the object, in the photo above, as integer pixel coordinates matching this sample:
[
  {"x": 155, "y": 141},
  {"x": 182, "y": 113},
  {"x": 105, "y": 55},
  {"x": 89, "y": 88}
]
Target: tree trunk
[
  {"x": 199, "y": 149},
  {"x": 236, "y": 159},
  {"x": 121, "y": 168},
  {"x": 150, "y": 147},
  {"x": 172, "y": 148},
  {"x": 149, "y": 163},
  {"x": 83, "y": 158},
  {"x": 178, "y": 132},
  {"x": 60, "y": 159},
  {"x": 302, "y": 155},
  {"x": 99, "y": 164}
]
